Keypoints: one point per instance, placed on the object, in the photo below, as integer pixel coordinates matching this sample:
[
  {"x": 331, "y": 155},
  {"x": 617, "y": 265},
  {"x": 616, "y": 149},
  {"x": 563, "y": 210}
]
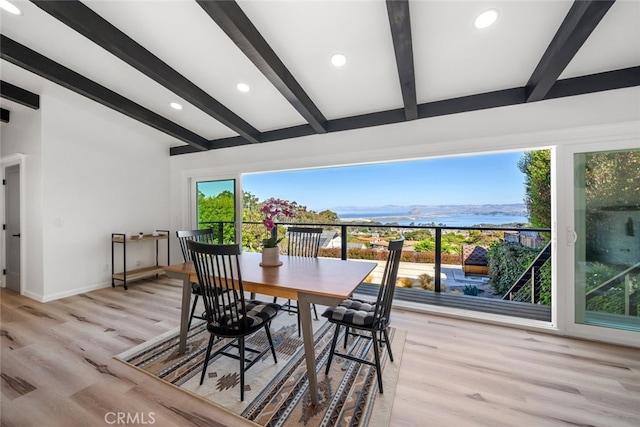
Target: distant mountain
[{"x": 514, "y": 209}]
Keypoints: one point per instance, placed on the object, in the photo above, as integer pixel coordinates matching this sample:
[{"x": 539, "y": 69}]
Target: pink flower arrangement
[{"x": 271, "y": 209}]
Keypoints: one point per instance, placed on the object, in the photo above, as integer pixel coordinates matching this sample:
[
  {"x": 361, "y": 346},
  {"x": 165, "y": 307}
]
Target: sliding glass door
[
  {"x": 216, "y": 208},
  {"x": 607, "y": 247}
]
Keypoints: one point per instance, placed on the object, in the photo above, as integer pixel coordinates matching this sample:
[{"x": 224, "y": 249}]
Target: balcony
[{"x": 450, "y": 287}]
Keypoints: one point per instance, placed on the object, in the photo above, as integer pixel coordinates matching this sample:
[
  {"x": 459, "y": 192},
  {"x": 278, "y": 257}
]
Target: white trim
[
  {"x": 5, "y": 162},
  {"x": 496, "y": 319},
  {"x": 72, "y": 292}
]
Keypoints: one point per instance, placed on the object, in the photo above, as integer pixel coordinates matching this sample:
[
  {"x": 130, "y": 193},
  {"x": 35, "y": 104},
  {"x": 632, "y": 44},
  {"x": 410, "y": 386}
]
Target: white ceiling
[{"x": 451, "y": 57}]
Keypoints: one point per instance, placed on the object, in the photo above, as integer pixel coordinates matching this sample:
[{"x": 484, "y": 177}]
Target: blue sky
[{"x": 485, "y": 179}]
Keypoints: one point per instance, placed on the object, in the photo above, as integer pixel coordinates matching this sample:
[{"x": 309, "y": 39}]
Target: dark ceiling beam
[
  {"x": 19, "y": 95},
  {"x": 400, "y": 22},
  {"x": 583, "y": 17},
  {"x": 30, "y": 60},
  {"x": 609, "y": 80},
  {"x": 91, "y": 25},
  {"x": 465, "y": 104},
  {"x": 233, "y": 21},
  {"x": 4, "y": 115},
  {"x": 618, "y": 79},
  {"x": 268, "y": 136},
  {"x": 367, "y": 120},
  {"x": 185, "y": 149}
]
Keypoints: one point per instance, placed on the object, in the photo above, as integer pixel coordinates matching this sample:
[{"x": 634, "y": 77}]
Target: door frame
[
  {"x": 5, "y": 162},
  {"x": 567, "y": 236}
]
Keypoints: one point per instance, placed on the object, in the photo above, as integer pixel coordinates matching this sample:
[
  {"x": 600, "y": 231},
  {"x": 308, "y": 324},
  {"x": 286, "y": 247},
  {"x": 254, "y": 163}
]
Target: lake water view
[{"x": 461, "y": 220}]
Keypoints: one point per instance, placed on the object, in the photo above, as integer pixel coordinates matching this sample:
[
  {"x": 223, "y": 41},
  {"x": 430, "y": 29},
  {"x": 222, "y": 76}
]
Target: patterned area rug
[{"x": 277, "y": 394}]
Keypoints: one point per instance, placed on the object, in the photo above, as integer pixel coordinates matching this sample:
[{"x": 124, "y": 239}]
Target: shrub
[
  {"x": 611, "y": 300},
  {"x": 404, "y": 282},
  {"x": 471, "y": 290},
  {"x": 545, "y": 287},
  {"x": 507, "y": 261},
  {"x": 426, "y": 281}
]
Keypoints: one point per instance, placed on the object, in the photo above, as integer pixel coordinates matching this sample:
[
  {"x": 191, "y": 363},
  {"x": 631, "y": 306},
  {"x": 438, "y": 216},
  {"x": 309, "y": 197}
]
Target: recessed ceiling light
[
  {"x": 486, "y": 18},
  {"x": 176, "y": 106},
  {"x": 338, "y": 59},
  {"x": 9, "y": 7},
  {"x": 243, "y": 87}
]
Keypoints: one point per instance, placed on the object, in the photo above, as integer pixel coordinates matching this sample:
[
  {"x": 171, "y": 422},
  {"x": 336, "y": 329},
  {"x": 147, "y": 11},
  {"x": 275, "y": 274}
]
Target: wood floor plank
[{"x": 57, "y": 369}]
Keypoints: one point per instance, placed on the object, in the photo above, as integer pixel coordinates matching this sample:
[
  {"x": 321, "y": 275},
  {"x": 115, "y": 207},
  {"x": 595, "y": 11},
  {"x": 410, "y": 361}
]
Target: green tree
[
  {"x": 611, "y": 179},
  {"x": 536, "y": 166},
  {"x": 425, "y": 246},
  {"x": 252, "y": 234},
  {"x": 329, "y": 216},
  {"x": 215, "y": 209},
  {"x": 420, "y": 234}
]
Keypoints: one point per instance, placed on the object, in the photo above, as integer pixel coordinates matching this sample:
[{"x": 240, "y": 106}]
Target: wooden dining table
[{"x": 323, "y": 281}]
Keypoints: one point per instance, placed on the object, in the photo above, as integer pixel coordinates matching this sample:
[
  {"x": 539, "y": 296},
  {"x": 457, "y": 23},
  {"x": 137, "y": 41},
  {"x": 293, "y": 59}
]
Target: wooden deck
[{"x": 465, "y": 302}]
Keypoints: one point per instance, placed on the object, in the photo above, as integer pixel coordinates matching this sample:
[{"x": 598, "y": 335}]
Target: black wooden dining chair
[
  {"x": 369, "y": 317},
  {"x": 304, "y": 242},
  {"x": 227, "y": 313},
  {"x": 203, "y": 236}
]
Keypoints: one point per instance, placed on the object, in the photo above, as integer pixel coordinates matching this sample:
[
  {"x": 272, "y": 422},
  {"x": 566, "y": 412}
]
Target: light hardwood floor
[{"x": 57, "y": 369}]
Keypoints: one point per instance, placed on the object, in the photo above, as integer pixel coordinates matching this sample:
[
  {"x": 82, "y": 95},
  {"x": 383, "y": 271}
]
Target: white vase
[{"x": 270, "y": 257}]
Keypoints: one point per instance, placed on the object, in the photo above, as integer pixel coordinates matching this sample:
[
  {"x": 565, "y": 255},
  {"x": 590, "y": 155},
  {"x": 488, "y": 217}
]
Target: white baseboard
[{"x": 72, "y": 292}]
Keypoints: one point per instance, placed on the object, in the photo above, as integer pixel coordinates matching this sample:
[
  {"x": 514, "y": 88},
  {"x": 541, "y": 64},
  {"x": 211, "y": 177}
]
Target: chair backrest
[
  {"x": 218, "y": 271},
  {"x": 388, "y": 285},
  {"x": 203, "y": 236},
  {"x": 304, "y": 241}
]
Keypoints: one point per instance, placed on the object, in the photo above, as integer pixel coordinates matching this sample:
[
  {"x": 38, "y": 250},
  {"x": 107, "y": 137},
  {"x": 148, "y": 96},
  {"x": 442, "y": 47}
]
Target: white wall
[
  {"x": 599, "y": 117},
  {"x": 98, "y": 179},
  {"x": 22, "y": 136},
  {"x": 87, "y": 178}
]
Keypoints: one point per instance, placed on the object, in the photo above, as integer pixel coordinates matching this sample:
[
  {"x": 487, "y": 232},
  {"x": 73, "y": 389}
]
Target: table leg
[
  {"x": 184, "y": 312},
  {"x": 304, "y": 307}
]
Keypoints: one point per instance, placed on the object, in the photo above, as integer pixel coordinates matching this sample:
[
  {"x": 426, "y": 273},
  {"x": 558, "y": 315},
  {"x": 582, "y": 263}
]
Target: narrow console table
[{"x": 139, "y": 273}]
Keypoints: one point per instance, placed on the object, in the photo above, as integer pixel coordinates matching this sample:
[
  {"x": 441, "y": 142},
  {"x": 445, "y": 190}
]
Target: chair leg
[
  {"x": 388, "y": 343},
  {"x": 273, "y": 350},
  {"x": 376, "y": 355},
  {"x": 346, "y": 336},
  {"x": 241, "y": 349},
  {"x": 206, "y": 359},
  {"x": 299, "y": 323},
  {"x": 314, "y": 311},
  {"x": 193, "y": 309},
  {"x": 333, "y": 348}
]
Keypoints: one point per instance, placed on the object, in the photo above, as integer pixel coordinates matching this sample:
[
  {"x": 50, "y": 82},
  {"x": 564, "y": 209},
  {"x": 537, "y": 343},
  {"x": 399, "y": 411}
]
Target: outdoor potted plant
[{"x": 272, "y": 209}]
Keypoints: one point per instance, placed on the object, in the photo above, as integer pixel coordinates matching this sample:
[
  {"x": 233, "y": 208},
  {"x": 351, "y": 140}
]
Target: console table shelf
[{"x": 126, "y": 275}]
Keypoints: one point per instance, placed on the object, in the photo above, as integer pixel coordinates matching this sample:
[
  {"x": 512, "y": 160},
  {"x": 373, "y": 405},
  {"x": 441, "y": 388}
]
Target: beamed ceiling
[{"x": 406, "y": 60}]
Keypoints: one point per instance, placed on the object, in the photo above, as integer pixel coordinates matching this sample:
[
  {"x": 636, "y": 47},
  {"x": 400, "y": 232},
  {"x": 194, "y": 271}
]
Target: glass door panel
[
  {"x": 607, "y": 258},
  {"x": 216, "y": 208}
]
